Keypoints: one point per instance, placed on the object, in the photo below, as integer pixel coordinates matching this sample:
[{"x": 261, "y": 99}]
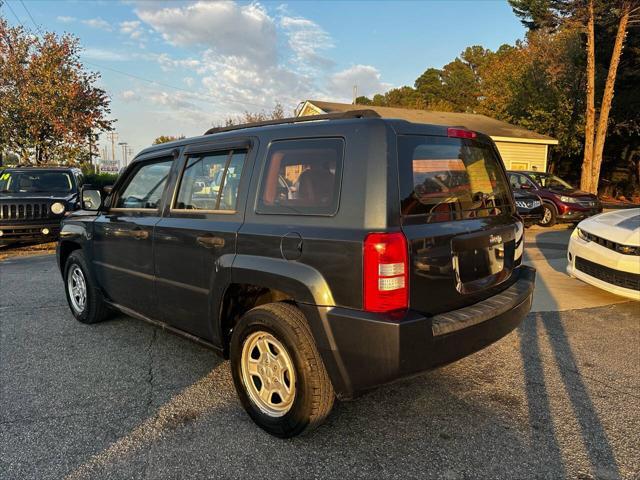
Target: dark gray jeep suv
[{"x": 324, "y": 255}]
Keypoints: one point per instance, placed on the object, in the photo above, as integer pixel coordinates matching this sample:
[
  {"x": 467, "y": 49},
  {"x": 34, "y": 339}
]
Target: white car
[{"x": 604, "y": 251}]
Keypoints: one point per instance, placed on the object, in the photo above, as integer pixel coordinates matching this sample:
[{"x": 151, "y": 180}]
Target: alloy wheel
[
  {"x": 77, "y": 288},
  {"x": 268, "y": 373}
]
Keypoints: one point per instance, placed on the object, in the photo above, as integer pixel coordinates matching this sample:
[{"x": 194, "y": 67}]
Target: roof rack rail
[{"x": 309, "y": 118}]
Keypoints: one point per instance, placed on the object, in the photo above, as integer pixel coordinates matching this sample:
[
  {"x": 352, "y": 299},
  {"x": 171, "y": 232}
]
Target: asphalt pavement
[{"x": 559, "y": 397}]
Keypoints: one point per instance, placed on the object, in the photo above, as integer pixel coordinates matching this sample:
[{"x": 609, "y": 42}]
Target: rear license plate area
[{"x": 483, "y": 259}]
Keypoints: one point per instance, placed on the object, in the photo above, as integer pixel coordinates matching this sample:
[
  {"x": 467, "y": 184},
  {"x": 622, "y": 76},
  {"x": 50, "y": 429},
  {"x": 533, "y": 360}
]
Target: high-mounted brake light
[
  {"x": 460, "y": 133},
  {"x": 386, "y": 272}
]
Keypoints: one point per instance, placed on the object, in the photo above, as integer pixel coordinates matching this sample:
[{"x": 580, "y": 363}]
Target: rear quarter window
[
  {"x": 302, "y": 177},
  {"x": 451, "y": 179}
]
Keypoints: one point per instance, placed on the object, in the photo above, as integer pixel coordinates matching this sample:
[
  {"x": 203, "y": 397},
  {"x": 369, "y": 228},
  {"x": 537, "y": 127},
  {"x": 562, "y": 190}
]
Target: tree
[
  {"x": 251, "y": 117},
  {"x": 626, "y": 9},
  {"x": 49, "y": 104},
  {"x": 166, "y": 139},
  {"x": 555, "y": 15}
]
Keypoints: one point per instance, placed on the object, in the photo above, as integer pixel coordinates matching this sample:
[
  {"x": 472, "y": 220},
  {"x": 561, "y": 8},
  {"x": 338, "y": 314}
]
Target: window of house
[
  {"x": 210, "y": 181},
  {"x": 146, "y": 186},
  {"x": 302, "y": 177}
]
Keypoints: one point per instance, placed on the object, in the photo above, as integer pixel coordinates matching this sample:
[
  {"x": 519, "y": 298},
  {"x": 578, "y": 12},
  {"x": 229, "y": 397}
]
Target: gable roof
[{"x": 496, "y": 129}]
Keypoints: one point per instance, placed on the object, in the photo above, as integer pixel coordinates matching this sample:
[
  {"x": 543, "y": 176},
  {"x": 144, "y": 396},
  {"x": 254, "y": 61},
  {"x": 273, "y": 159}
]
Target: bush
[{"x": 100, "y": 179}]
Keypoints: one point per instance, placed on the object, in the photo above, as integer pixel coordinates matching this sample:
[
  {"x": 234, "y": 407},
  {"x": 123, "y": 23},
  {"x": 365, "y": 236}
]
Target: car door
[
  {"x": 123, "y": 235},
  {"x": 195, "y": 240}
]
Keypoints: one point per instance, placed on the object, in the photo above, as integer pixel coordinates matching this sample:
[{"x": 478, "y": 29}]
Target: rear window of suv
[
  {"x": 448, "y": 179},
  {"x": 302, "y": 177}
]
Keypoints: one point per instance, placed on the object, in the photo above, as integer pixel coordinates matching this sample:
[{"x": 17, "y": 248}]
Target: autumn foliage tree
[
  {"x": 167, "y": 139},
  {"x": 50, "y": 106},
  {"x": 592, "y": 17}
]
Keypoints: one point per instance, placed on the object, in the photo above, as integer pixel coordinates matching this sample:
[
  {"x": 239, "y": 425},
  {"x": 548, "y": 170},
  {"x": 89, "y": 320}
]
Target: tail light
[
  {"x": 386, "y": 268},
  {"x": 460, "y": 133}
]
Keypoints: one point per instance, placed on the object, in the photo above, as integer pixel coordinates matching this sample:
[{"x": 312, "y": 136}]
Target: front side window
[
  {"x": 302, "y": 177},
  {"x": 546, "y": 180},
  {"x": 519, "y": 181},
  {"x": 36, "y": 182},
  {"x": 210, "y": 181},
  {"x": 450, "y": 178},
  {"x": 146, "y": 186}
]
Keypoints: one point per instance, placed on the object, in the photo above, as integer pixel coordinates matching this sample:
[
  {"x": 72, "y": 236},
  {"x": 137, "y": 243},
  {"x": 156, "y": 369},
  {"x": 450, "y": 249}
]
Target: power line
[
  {"x": 162, "y": 84},
  {"x": 213, "y": 100},
  {"x": 14, "y": 13},
  {"x": 30, "y": 16}
]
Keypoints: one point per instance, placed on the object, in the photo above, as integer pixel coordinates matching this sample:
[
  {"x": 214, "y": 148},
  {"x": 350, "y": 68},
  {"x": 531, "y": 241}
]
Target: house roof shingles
[{"x": 472, "y": 121}]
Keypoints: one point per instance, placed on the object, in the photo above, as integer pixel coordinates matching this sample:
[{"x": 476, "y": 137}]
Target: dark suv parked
[
  {"x": 324, "y": 256},
  {"x": 562, "y": 203},
  {"x": 33, "y": 200}
]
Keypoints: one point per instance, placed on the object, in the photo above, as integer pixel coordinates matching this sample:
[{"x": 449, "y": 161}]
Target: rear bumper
[
  {"x": 30, "y": 232},
  {"x": 363, "y": 350}
]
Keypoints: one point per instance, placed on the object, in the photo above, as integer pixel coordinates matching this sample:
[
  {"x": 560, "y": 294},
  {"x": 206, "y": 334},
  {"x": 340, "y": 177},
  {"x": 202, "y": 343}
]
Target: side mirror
[{"x": 90, "y": 198}]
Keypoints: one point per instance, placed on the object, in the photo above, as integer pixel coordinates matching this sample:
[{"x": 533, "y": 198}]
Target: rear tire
[
  {"x": 85, "y": 299},
  {"x": 549, "y": 218},
  {"x": 272, "y": 352}
]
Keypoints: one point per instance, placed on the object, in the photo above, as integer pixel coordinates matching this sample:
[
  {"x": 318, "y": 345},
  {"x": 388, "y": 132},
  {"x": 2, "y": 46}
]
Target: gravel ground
[{"x": 559, "y": 397}]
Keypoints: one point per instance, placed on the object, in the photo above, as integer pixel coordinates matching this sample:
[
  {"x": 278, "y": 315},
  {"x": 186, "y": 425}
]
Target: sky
[{"x": 179, "y": 67}]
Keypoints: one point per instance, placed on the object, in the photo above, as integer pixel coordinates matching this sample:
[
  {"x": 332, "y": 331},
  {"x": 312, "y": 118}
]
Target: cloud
[
  {"x": 168, "y": 63},
  {"x": 132, "y": 28},
  {"x": 98, "y": 23},
  {"x": 366, "y": 77},
  {"x": 181, "y": 106},
  {"x": 225, "y": 27},
  {"x": 307, "y": 39},
  {"x": 129, "y": 96},
  {"x": 235, "y": 57},
  {"x": 106, "y": 55},
  {"x": 66, "y": 19}
]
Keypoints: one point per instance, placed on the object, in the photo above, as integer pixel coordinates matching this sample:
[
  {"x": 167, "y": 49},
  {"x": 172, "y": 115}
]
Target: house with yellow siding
[{"x": 520, "y": 149}]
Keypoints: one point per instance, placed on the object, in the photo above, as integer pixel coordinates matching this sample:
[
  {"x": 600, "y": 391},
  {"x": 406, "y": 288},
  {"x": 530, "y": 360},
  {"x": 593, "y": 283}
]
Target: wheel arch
[{"x": 255, "y": 281}]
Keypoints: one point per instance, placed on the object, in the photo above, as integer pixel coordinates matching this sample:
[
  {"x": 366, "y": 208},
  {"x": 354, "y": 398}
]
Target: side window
[
  {"x": 302, "y": 177},
  {"x": 513, "y": 181},
  {"x": 210, "y": 181},
  {"x": 145, "y": 188}
]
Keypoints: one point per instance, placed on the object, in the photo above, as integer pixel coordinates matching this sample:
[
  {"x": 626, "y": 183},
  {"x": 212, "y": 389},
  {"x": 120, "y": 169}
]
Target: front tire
[
  {"x": 277, "y": 371},
  {"x": 549, "y": 216},
  {"x": 85, "y": 299}
]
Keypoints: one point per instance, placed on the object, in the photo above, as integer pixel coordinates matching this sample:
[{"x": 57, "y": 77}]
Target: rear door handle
[{"x": 210, "y": 242}]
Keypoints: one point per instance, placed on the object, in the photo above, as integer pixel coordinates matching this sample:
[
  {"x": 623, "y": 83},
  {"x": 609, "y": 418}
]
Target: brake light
[
  {"x": 386, "y": 272},
  {"x": 460, "y": 133}
]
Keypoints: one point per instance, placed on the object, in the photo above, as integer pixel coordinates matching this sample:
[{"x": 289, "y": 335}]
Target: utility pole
[
  {"x": 124, "y": 146},
  {"x": 113, "y": 136},
  {"x": 355, "y": 94}
]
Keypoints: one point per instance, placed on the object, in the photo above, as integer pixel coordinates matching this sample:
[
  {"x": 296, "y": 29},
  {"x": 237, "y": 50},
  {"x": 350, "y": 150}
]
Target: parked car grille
[
  {"x": 617, "y": 247},
  {"x": 609, "y": 275},
  {"x": 24, "y": 211},
  {"x": 583, "y": 202},
  {"x": 528, "y": 204}
]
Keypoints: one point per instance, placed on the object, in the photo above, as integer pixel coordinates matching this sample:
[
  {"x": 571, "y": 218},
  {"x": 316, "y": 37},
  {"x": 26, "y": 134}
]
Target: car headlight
[
  {"x": 568, "y": 199},
  {"x": 583, "y": 235},
  {"x": 57, "y": 208}
]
